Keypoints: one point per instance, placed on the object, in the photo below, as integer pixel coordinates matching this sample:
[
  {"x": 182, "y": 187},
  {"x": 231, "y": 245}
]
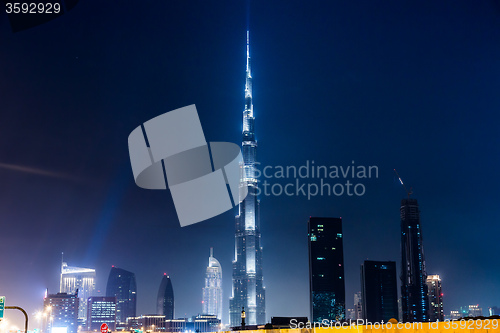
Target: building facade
[
  {"x": 379, "y": 290},
  {"x": 326, "y": 269},
  {"x": 435, "y": 294},
  {"x": 475, "y": 311},
  {"x": 358, "y": 306},
  {"x": 151, "y": 323},
  {"x": 62, "y": 309},
  {"x": 165, "y": 299},
  {"x": 158, "y": 323},
  {"x": 248, "y": 282},
  {"x": 455, "y": 314},
  {"x": 122, "y": 285},
  {"x": 101, "y": 310},
  {"x": 414, "y": 300},
  {"x": 494, "y": 311},
  {"x": 78, "y": 280},
  {"x": 212, "y": 292}
]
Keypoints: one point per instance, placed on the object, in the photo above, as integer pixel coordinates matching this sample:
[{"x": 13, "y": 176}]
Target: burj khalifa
[{"x": 248, "y": 291}]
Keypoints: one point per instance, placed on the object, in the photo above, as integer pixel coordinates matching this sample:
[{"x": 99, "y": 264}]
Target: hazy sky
[{"x": 411, "y": 85}]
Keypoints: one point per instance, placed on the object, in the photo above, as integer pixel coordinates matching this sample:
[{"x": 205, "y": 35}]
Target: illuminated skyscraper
[
  {"x": 248, "y": 285},
  {"x": 212, "y": 292},
  {"x": 165, "y": 299},
  {"x": 414, "y": 301},
  {"x": 121, "y": 284},
  {"x": 326, "y": 269},
  {"x": 63, "y": 312},
  {"x": 79, "y": 279},
  {"x": 435, "y": 294}
]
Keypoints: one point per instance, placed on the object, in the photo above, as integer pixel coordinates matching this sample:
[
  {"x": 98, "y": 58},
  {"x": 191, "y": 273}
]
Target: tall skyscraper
[
  {"x": 165, "y": 299},
  {"x": 122, "y": 285},
  {"x": 81, "y": 280},
  {"x": 248, "y": 285},
  {"x": 435, "y": 295},
  {"x": 414, "y": 301},
  {"x": 379, "y": 290},
  {"x": 212, "y": 292},
  {"x": 101, "y": 310},
  {"x": 326, "y": 269},
  {"x": 63, "y": 312}
]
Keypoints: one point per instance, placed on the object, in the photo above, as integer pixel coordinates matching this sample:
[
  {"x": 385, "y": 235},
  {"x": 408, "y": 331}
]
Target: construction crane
[{"x": 410, "y": 192}]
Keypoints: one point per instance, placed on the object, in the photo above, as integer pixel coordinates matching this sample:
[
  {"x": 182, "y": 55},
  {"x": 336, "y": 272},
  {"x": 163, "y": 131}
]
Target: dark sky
[{"x": 411, "y": 85}]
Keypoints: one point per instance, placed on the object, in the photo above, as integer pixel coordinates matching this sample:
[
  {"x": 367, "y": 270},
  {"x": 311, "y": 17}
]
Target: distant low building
[
  {"x": 455, "y": 314},
  {"x": 101, "y": 310},
  {"x": 151, "y": 323},
  {"x": 158, "y": 323},
  {"x": 494, "y": 311},
  {"x": 350, "y": 314},
  {"x": 475, "y": 311}
]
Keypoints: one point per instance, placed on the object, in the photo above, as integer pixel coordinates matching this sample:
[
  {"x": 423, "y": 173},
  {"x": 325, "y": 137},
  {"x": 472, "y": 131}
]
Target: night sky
[{"x": 411, "y": 85}]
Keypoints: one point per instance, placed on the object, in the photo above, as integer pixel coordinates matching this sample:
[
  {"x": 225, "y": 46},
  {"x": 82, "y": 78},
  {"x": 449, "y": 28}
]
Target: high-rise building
[
  {"x": 435, "y": 295},
  {"x": 326, "y": 269},
  {"x": 63, "y": 312},
  {"x": 165, "y": 299},
  {"x": 379, "y": 290},
  {"x": 122, "y": 285},
  {"x": 81, "y": 280},
  {"x": 414, "y": 301},
  {"x": 358, "y": 306},
  {"x": 212, "y": 292},
  {"x": 101, "y": 310},
  {"x": 248, "y": 282}
]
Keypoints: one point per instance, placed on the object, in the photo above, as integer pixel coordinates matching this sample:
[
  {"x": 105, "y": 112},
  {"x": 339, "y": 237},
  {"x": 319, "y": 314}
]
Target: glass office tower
[{"x": 326, "y": 269}]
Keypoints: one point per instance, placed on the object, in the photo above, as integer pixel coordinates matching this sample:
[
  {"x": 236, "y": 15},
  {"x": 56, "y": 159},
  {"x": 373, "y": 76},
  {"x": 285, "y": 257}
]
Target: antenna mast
[{"x": 408, "y": 193}]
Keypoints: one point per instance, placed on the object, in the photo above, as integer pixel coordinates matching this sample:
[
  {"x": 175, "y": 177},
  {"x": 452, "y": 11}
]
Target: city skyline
[{"x": 399, "y": 85}]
